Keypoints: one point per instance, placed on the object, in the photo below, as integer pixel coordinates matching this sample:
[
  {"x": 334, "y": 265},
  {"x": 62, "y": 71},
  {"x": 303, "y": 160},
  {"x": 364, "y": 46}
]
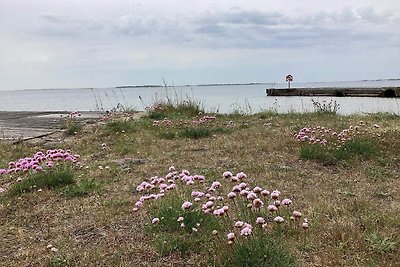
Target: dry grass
[{"x": 353, "y": 206}]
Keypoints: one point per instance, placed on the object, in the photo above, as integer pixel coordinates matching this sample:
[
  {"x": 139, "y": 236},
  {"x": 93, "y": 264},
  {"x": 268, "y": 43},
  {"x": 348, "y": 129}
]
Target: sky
[{"x": 104, "y": 43}]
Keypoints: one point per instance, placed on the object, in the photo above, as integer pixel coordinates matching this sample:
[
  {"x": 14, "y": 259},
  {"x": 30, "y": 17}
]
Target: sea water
[{"x": 248, "y": 98}]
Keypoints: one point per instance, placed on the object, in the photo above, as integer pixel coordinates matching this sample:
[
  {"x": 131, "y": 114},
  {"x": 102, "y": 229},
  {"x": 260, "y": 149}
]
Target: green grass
[
  {"x": 54, "y": 178},
  {"x": 72, "y": 128},
  {"x": 195, "y": 133},
  {"x": 360, "y": 148},
  {"x": 171, "y": 110},
  {"x": 169, "y": 236},
  {"x": 84, "y": 187},
  {"x": 118, "y": 126},
  {"x": 259, "y": 251},
  {"x": 380, "y": 243}
]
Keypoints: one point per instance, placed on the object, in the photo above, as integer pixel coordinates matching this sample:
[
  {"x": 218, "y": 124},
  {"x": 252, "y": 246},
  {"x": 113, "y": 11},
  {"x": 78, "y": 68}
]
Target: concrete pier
[{"x": 338, "y": 92}]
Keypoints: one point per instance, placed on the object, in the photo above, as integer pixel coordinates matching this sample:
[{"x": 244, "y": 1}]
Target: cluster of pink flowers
[
  {"x": 165, "y": 122},
  {"x": 164, "y": 184},
  {"x": 204, "y": 119},
  {"x": 324, "y": 136},
  {"x": 74, "y": 114},
  {"x": 212, "y": 201},
  {"x": 39, "y": 160},
  {"x": 195, "y": 121}
]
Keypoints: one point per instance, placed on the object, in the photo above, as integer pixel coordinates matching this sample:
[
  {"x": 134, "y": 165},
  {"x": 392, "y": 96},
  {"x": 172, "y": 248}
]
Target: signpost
[{"x": 289, "y": 78}]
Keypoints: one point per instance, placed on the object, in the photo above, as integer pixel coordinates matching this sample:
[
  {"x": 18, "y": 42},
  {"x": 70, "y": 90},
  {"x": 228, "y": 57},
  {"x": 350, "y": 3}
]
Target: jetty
[{"x": 336, "y": 91}]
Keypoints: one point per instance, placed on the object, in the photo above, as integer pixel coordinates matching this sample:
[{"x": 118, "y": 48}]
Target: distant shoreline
[{"x": 194, "y": 85}]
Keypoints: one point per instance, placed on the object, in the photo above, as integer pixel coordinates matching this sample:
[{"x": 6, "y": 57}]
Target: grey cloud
[
  {"x": 233, "y": 28},
  {"x": 241, "y": 28},
  {"x": 59, "y": 25}
]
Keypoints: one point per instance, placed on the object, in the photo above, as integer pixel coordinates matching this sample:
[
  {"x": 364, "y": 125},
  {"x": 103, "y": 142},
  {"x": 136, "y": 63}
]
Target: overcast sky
[{"x": 102, "y": 43}]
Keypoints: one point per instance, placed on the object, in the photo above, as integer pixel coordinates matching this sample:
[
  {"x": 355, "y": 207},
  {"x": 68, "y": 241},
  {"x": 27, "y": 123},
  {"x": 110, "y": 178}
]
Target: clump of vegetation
[
  {"x": 84, "y": 187},
  {"x": 331, "y": 107},
  {"x": 119, "y": 126},
  {"x": 71, "y": 124},
  {"x": 54, "y": 178},
  {"x": 328, "y": 146},
  {"x": 173, "y": 110},
  {"x": 238, "y": 223}
]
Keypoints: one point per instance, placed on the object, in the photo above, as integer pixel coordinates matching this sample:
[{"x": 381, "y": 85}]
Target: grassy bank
[{"x": 347, "y": 188}]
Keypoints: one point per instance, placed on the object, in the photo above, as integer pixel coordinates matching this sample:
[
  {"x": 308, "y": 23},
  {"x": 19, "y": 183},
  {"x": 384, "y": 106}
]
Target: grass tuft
[
  {"x": 195, "y": 133},
  {"x": 85, "y": 187},
  {"x": 381, "y": 243},
  {"x": 119, "y": 126},
  {"x": 170, "y": 236},
  {"x": 180, "y": 109},
  {"x": 363, "y": 148},
  {"x": 261, "y": 251},
  {"x": 54, "y": 178}
]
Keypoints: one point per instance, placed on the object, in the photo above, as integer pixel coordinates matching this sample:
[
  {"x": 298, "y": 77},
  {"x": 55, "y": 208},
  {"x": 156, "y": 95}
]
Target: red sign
[{"x": 289, "y": 78}]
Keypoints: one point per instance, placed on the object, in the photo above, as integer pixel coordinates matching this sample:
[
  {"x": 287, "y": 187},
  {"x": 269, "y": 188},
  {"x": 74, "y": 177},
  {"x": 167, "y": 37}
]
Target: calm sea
[{"x": 220, "y": 98}]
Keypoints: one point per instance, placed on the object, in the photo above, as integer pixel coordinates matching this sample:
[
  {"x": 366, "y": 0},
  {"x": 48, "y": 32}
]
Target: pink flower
[
  {"x": 239, "y": 224},
  {"x": 244, "y": 193},
  {"x": 272, "y": 208},
  {"x": 180, "y": 219},
  {"x": 171, "y": 169},
  {"x": 163, "y": 186},
  {"x": 219, "y": 212},
  {"x": 257, "y": 189},
  {"x": 209, "y": 204},
  {"x": 227, "y": 174},
  {"x": 279, "y": 220},
  {"x": 242, "y": 185},
  {"x": 234, "y": 179},
  {"x": 286, "y": 202},
  {"x": 155, "y": 221},
  {"x": 260, "y": 220},
  {"x": 275, "y": 194},
  {"x": 296, "y": 214},
  {"x": 246, "y": 231},
  {"x": 186, "y": 205},
  {"x": 257, "y": 203},
  {"x": 231, "y": 195},
  {"x": 236, "y": 189},
  {"x": 265, "y": 192},
  {"x": 241, "y": 175},
  {"x": 231, "y": 236},
  {"x": 251, "y": 196}
]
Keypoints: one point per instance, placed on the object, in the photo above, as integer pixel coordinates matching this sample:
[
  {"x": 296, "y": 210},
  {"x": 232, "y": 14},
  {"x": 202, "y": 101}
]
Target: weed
[
  {"x": 380, "y": 243},
  {"x": 330, "y": 107},
  {"x": 119, "y": 126},
  {"x": 57, "y": 177},
  {"x": 363, "y": 148},
  {"x": 179, "y": 109},
  {"x": 72, "y": 129},
  {"x": 84, "y": 187},
  {"x": 172, "y": 234},
  {"x": 60, "y": 261},
  {"x": 195, "y": 133},
  {"x": 261, "y": 251}
]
